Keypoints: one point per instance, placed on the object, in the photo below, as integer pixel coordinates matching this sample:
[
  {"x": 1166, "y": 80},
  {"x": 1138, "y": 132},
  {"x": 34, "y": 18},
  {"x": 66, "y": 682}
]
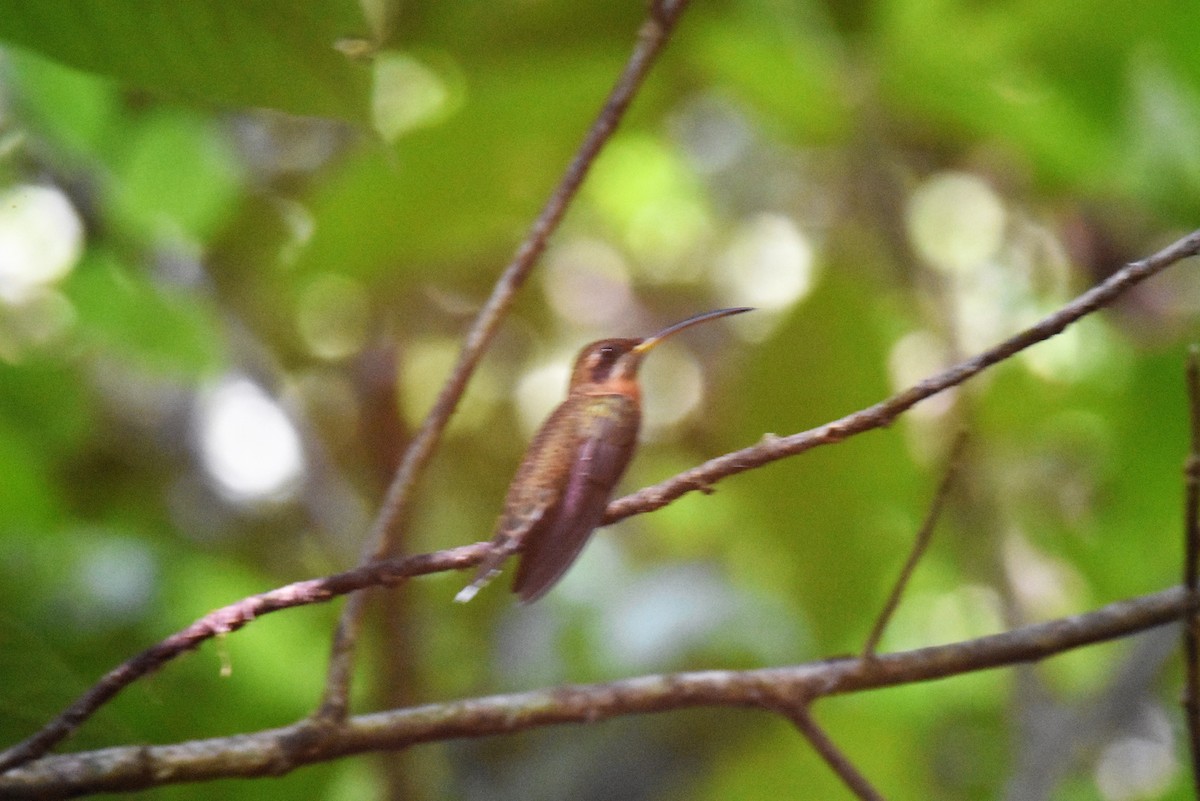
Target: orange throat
[{"x": 628, "y": 387}]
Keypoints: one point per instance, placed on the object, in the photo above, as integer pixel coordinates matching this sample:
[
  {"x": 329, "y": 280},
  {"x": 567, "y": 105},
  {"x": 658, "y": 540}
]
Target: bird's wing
[
  {"x": 536, "y": 489},
  {"x": 600, "y": 458}
]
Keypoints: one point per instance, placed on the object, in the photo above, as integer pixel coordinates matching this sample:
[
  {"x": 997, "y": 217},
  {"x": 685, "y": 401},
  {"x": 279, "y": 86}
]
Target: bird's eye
[
  {"x": 607, "y": 356},
  {"x": 600, "y": 360}
]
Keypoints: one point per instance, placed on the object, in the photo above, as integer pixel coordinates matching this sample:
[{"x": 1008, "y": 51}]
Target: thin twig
[
  {"x": 885, "y": 413},
  {"x": 1191, "y": 528},
  {"x": 278, "y": 751},
  {"x": 652, "y": 36},
  {"x": 919, "y": 546},
  {"x": 643, "y": 501},
  {"x": 828, "y": 751}
]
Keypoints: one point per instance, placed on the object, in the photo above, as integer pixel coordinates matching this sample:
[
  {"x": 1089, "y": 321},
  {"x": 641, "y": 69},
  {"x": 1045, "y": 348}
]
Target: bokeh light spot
[
  {"x": 41, "y": 239},
  {"x": 406, "y": 94},
  {"x": 587, "y": 283},
  {"x": 247, "y": 443},
  {"x": 768, "y": 265},
  {"x": 956, "y": 221},
  {"x": 1142, "y": 766},
  {"x": 540, "y": 389},
  {"x": 673, "y": 386}
]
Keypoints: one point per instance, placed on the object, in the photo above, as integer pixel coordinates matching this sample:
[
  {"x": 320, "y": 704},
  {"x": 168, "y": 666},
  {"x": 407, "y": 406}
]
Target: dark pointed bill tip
[{"x": 651, "y": 341}]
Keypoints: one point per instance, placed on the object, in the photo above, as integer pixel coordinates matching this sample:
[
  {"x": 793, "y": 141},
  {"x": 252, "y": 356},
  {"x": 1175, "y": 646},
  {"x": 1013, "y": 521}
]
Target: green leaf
[
  {"x": 262, "y": 53},
  {"x": 457, "y": 192},
  {"x": 79, "y": 111}
]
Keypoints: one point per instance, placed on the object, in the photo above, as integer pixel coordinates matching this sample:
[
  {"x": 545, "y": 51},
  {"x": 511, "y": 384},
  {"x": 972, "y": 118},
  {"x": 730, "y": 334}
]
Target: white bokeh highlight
[
  {"x": 248, "y": 445},
  {"x": 956, "y": 221},
  {"x": 768, "y": 265},
  {"x": 41, "y": 240}
]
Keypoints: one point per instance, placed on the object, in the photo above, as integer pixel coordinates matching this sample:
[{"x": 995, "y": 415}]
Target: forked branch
[
  {"x": 276, "y": 751},
  {"x": 655, "y": 31},
  {"x": 770, "y": 449}
]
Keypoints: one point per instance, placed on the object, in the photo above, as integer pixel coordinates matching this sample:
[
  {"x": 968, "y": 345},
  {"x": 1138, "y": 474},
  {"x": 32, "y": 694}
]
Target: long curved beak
[{"x": 652, "y": 341}]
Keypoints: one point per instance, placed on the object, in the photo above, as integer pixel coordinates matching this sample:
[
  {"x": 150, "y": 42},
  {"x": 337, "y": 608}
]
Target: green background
[{"x": 318, "y": 196}]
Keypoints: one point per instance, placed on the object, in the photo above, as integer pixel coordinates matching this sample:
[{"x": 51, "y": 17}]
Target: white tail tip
[{"x": 467, "y": 593}]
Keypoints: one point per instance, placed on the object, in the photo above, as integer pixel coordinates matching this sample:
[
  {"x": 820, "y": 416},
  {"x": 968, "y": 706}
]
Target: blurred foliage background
[{"x": 239, "y": 242}]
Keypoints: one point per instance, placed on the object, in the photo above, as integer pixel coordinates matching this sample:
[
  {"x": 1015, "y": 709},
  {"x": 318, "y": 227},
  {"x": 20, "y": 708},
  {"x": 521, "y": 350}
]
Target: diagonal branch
[
  {"x": 228, "y": 619},
  {"x": 918, "y": 548},
  {"x": 278, "y": 751},
  {"x": 652, "y": 37},
  {"x": 833, "y": 756},
  {"x": 884, "y": 413},
  {"x": 391, "y": 571}
]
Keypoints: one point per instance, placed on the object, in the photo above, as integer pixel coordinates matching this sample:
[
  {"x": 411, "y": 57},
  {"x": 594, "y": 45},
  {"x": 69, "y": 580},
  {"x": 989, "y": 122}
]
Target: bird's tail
[{"x": 489, "y": 568}]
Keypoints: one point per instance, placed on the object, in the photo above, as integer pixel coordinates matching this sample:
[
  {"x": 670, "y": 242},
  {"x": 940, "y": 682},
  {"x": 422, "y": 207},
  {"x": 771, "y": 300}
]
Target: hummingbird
[{"x": 561, "y": 489}]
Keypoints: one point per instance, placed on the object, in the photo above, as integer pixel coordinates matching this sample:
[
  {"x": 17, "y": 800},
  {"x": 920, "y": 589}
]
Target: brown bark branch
[
  {"x": 652, "y": 37},
  {"x": 390, "y": 571},
  {"x": 228, "y": 619},
  {"x": 278, "y": 751},
  {"x": 884, "y": 413},
  {"x": 1191, "y": 566}
]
